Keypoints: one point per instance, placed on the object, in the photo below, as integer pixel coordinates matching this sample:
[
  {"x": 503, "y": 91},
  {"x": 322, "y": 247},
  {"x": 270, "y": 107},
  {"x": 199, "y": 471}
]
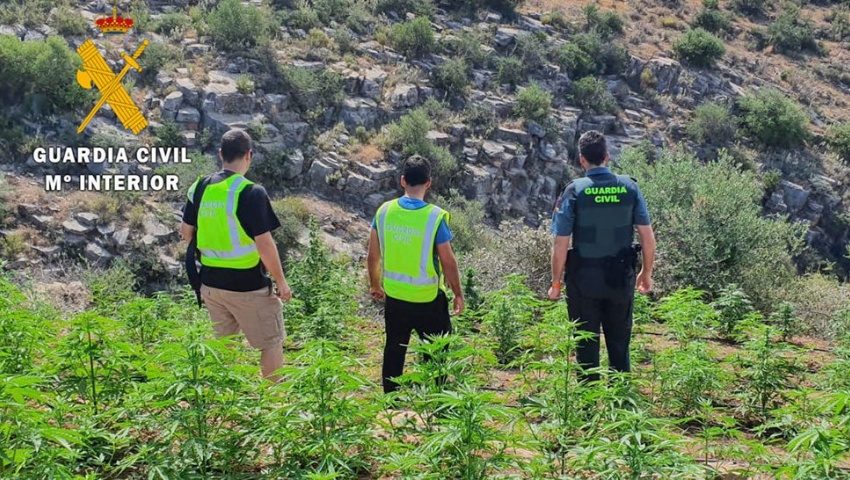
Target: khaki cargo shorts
[{"x": 258, "y": 314}]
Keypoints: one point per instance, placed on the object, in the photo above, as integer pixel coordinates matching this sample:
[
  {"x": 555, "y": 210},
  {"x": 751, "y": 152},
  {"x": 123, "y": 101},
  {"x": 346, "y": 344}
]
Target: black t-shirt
[{"x": 255, "y": 214}]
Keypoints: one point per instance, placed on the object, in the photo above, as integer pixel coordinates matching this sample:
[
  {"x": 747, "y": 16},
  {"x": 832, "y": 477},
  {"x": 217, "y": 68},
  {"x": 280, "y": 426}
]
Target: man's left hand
[
  {"x": 644, "y": 282},
  {"x": 554, "y": 293}
]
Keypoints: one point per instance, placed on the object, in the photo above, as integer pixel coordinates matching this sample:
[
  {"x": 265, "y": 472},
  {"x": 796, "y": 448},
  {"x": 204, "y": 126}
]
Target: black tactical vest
[{"x": 604, "y": 218}]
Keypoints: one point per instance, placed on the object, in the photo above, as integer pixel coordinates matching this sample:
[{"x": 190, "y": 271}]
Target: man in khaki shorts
[{"x": 233, "y": 220}]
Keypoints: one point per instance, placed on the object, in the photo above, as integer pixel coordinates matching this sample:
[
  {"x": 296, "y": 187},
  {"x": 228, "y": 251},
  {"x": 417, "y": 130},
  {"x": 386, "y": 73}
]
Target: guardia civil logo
[{"x": 96, "y": 73}]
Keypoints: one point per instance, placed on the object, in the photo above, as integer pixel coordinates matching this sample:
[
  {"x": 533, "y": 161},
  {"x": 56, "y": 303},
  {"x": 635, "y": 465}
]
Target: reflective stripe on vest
[
  {"x": 422, "y": 286},
  {"x": 242, "y": 251}
]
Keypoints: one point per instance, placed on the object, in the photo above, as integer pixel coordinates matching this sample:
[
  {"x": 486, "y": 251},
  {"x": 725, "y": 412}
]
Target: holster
[{"x": 617, "y": 270}]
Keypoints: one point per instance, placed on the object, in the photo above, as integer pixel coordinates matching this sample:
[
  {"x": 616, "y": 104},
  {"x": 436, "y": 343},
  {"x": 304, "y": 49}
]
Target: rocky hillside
[{"x": 335, "y": 93}]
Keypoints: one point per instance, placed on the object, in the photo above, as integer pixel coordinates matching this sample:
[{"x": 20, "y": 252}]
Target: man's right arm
[{"x": 647, "y": 248}]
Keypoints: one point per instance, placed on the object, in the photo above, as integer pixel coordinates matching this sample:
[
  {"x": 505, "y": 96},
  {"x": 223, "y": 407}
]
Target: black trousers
[
  {"x": 401, "y": 319},
  {"x": 595, "y": 307}
]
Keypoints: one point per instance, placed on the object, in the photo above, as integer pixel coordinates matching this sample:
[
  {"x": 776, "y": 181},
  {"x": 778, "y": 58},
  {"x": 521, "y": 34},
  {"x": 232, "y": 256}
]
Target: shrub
[
  {"x": 452, "y": 76},
  {"x": 294, "y": 218},
  {"x": 235, "y": 26},
  {"x": 533, "y": 103},
  {"x": 750, "y": 7},
  {"x": 245, "y": 84},
  {"x": 68, "y": 21},
  {"x": 505, "y": 7},
  {"x": 531, "y": 51},
  {"x": 610, "y": 58},
  {"x": 424, "y": 8},
  {"x": 709, "y": 226},
  {"x": 414, "y": 39},
  {"x": 514, "y": 248},
  {"x": 791, "y": 33},
  {"x": 574, "y": 60},
  {"x": 467, "y": 45},
  {"x": 839, "y": 140},
  {"x": 712, "y": 123},
  {"x": 172, "y": 24},
  {"x": 699, "y": 47},
  {"x": 558, "y": 20},
  {"x": 410, "y": 136},
  {"x": 510, "y": 71},
  {"x": 465, "y": 221},
  {"x": 774, "y": 119},
  {"x": 313, "y": 89},
  {"x": 168, "y": 135},
  {"x": 606, "y": 24},
  {"x": 840, "y": 28},
  {"x": 590, "y": 94},
  {"x": 821, "y": 303},
  {"x": 157, "y": 56},
  {"x": 711, "y": 19},
  {"x": 37, "y": 72}
]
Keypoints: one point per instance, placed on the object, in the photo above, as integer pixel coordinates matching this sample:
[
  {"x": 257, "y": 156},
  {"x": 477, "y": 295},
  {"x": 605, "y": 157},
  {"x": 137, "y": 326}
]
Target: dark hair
[
  {"x": 593, "y": 147},
  {"x": 235, "y": 145},
  {"x": 416, "y": 170}
]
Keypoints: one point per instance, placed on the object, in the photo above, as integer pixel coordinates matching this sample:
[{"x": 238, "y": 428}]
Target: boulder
[
  {"x": 794, "y": 195},
  {"x": 294, "y": 165},
  {"x": 97, "y": 254},
  {"x": 373, "y": 83},
  {"x": 513, "y": 135},
  {"x": 295, "y": 133},
  {"x": 74, "y": 227},
  {"x": 359, "y": 112},
  {"x": 404, "y": 96},
  {"x": 189, "y": 115},
  {"x": 663, "y": 74},
  {"x": 173, "y": 101},
  {"x": 121, "y": 236},
  {"x": 191, "y": 93}
]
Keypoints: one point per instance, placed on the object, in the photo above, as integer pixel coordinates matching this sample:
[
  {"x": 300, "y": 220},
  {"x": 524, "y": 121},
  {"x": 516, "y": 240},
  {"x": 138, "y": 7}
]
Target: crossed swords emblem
[{"x": 96, "y": 72}]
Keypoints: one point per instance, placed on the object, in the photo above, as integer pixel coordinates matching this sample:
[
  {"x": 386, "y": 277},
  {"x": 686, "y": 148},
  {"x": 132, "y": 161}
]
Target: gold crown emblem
[{"x": 114, "y": 24}]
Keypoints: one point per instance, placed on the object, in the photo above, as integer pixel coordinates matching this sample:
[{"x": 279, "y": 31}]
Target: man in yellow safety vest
[
  {"x": 231, "y": 219},
  {"x": 413, "y": 241}
]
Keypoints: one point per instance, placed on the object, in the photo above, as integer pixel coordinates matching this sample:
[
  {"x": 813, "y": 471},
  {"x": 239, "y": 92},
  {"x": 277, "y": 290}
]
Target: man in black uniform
[{"x": 594, "y": 222}]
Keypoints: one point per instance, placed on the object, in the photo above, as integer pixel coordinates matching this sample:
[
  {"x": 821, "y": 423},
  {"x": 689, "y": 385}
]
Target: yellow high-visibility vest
[
  {"x": 222, "y": 241},
  {"x": 407, "y": 246}
]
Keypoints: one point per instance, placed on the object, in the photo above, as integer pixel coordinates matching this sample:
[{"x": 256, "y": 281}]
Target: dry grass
[{"x": 366, "y": 154}]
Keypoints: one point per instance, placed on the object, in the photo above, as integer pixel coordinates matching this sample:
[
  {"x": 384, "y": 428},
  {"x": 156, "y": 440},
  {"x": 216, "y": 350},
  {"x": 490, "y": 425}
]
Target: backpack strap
[{"x": 192, "y": 252}]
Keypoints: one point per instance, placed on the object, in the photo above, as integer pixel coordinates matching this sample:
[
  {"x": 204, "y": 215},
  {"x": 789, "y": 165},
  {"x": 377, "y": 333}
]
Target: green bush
[
  {"x": 40, "y": 73},
  {"x": 774, "y": 119},
  {"x": 199, "y": 166},
  {"x": 505, "y": 7},
  {"x": 410, "y": 136},
  {"x": 792, "y": 33},
  {"x": 424, "y": 8},
  {"x": 533, "y": 103},
  {"x": 710, "y": 18},
  {"x": 452, "y": 76},
  {"x": 840, "y": 25},
  {"x": 750, "y": 7},
  {"x": 157, "y": 56},
  {"x": 510, "y": 71},
  {"x": 610, "y": 58},
  {"x": 466, "y": 220},
  {"x": 589, "y": 93},
  {"x": 699, "y": 48},
  {"x": 414, "y": 39},
  {"x": 467, "y": 45},
  {"x": 710, "y": 228},
  {"x": 605, "y": 24},
  {"x": 172, "y": 24},
  {"x": 839, "y": 140},
  {"x": 531, "y": 51},
  {"x": 235, "y": 26},
  {"x": 575, "y": 61},
  {"x": 712, "y": 123},
  {"x": 68, "y": 22},
  {"x": 294, "y": 218},
  {"x": 311, "y": 89}
]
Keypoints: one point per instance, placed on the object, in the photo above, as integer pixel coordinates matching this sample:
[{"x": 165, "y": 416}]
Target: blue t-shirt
[
  {"x": 444, "y": 234},
  {"x": 562, "y": 220}
]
